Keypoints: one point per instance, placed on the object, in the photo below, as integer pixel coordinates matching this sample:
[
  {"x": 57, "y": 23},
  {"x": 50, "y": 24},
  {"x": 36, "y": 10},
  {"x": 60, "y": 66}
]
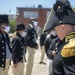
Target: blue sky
[{"x": 10, "y": 5}]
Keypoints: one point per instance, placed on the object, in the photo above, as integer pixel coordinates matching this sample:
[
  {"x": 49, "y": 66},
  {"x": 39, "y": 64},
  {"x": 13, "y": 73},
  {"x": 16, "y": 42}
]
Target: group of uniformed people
[
  {"x": 13, "y": 53},
  {"x": 58, "y": 42}
]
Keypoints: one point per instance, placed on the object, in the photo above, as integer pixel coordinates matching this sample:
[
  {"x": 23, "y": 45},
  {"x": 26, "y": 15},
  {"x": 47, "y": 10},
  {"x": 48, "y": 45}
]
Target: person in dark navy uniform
[
  {"x": 18, "y": 49},
  {"x": 5, "y": 49},
  {"x": 31, "y": 42},
  {"x": 62, "y": 19},
  {"x": 51, "y": 43}
]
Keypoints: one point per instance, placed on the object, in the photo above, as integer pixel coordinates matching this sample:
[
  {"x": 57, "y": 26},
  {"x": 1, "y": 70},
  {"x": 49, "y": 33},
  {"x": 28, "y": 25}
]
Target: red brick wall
[{"x": 41, "y": 19}]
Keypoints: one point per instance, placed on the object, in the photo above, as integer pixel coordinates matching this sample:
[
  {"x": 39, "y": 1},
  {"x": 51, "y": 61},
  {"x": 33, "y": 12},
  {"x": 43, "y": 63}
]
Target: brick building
[{"x": 40, "y": 13}]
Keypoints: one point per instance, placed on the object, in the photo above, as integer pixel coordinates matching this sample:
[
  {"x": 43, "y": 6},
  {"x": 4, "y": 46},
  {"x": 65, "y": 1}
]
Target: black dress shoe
[{"x": 42, "y": 62}]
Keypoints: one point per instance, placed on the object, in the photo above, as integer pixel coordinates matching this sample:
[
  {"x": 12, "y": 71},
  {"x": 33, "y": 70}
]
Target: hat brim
[
  {"x": 19, "y": 29},
  {"x": 2, "y": 21},
  {"x": 49, "y": 26},
  {"x": 66, "y": 18}
]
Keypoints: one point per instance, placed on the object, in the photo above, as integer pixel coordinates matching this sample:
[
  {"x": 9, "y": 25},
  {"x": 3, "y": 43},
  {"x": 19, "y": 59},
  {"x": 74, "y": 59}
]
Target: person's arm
[
  {"x": 41, "y": 41},
  {"x": 29, "y": 40},
  {"x": 50, "y": 50},
  {"x": 15, "y": 48}
]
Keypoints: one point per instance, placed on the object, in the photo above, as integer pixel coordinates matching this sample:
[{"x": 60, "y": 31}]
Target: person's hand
[
  {"x": 15, "y": 65},
  {"x": 36, "y": 47},
  {"x": 53, "y": 53}
]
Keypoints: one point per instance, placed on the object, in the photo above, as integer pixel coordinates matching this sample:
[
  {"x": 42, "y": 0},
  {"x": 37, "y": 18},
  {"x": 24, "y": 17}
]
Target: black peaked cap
[
  {"x": 20, "y": 27},
  {"x": 61, "y": 13},
  {"x": 4, "y": 19}
]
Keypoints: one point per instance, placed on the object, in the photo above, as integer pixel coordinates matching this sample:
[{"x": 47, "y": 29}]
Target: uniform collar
[
  {"x": 70, "y": 36},
  {"x": 18, "y": 35},
  {"x": 31, "y": 25},
  {"x": 53, "y": 37},
  {"x": 3, "y": 34}
]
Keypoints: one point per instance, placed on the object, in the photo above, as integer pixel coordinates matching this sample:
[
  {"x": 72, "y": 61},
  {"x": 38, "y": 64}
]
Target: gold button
[
  {"x": 58, "y": 7},
  {"x": 2, "y": 65},
  {"x": 3, "y": 59},
  {"x": 3, "y": 53},
  {"x": 21, "y": 46},
  {"x": 2, "y": 47},
  {"x": 2, "y": 41},
  {"x": 60, "y": 21}
]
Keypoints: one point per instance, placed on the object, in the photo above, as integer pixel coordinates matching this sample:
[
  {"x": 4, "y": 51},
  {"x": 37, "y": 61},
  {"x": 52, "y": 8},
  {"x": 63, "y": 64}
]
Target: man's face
[
  {"x": 60, "y": 32},
  {"x": 35, "y": 23},
  {"x": 23, "y": 33},
  {"x": 63, "y": 30},
  {"x": 3, "y": 24},
  {"x": 5, "y": 27},
  {"x": 53, "y": 32}
]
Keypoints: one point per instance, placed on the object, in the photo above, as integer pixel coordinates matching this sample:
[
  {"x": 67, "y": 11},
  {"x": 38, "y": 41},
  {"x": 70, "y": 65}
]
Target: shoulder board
[{"x": 69, "y": 49}]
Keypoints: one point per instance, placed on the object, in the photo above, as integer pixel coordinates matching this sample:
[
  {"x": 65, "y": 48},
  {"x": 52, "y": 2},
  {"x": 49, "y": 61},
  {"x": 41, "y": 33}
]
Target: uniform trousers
[
  {"x": 19, "y": 70},
  {"x": 49, "y": 66},
  {"x": 5, "y": 71},
  {"x": 42, "y": 53},
  {"x": 30, "y": 60}
]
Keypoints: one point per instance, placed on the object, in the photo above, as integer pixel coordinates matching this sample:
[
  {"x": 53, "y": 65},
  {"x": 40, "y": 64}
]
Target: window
[
  {"x": 29, "y": 14},
  {"x": 18, "y": 12}
]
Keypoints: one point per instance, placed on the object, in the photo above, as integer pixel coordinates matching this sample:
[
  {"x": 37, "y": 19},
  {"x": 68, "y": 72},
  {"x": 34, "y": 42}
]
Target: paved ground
[{"x": 38, "y": 69}]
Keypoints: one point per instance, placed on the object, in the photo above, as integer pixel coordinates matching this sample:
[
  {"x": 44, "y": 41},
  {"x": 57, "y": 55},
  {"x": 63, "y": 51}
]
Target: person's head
[
  {"x": 62, "y": 30},
  {"x": 62, "y": 19},
  {"x": 20, "y": 29},
  {"x": 53, "y": 32},
  {"x": 4, "y": 24},
  {"x": 33, "y": 21}
]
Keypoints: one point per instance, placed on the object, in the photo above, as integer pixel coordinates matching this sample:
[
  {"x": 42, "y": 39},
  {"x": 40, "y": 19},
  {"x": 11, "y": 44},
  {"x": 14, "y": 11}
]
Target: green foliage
[{"x": 12, "y": 24}]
